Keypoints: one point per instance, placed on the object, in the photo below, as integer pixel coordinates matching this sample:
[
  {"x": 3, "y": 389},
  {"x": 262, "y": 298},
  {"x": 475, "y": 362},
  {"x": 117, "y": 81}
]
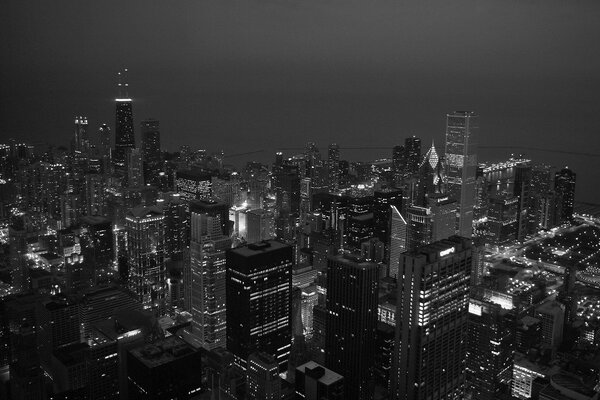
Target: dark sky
[{"x": 261, "y": 74}]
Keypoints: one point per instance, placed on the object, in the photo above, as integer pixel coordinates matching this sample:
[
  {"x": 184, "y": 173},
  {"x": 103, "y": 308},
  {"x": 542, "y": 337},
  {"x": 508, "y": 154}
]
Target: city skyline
[
  {"x": 285, "y": 200},
  {"x": 240, "y": 86}
]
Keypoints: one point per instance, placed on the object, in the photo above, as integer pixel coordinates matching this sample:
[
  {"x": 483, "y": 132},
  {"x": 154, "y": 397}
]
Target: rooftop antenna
[{"x": 122, "y": 84}]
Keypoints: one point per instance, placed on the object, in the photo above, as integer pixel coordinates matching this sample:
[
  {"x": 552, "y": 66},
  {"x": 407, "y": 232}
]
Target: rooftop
[
  {"x": 162, "y": 352},
  {"x": 325, "y": 376},
  {"x": 259, "y": 248}
]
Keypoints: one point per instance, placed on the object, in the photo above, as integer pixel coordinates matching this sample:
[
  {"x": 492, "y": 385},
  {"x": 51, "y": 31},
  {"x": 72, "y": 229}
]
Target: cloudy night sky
[{"x": 262, "y": 74}]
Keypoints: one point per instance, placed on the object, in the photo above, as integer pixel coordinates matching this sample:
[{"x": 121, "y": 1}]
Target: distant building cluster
[{"x": 130, "y": 272}]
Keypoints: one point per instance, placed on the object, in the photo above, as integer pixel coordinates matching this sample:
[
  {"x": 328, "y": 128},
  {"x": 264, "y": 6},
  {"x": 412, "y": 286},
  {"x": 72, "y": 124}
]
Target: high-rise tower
[
  {"x": 352, "y": 287},
  {"x": 146, "y": 250},
  {"x": 259, "y": 301},
  {"x": 81, "y": 142},
  {"x": 124, "y": 135},
  {"x": 431, "y": 321},
  {"x": 333, "y": 167},
  {"x": 564, "y": 185},
  {"x": 207, "y": 265},
  {"x": 412, "y": 150},
  {"x": 461, "y": 159},
  {"x": 151, "y": 149}
]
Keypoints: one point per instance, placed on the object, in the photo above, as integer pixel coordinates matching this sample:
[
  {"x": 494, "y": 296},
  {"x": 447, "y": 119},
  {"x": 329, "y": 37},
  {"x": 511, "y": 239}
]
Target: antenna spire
[{"x": 122, "y": 84}]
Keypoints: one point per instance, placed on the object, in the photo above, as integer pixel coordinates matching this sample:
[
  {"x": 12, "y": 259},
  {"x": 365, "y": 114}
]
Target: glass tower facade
[{"x": 461, "y": 159}]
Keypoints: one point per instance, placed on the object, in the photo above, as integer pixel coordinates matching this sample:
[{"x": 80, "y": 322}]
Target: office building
[
  {"x": 146, "y": 257},
  {"x": 81, "y": 141},
  {"x": 165, "y": 369},
  {"x": 135, "y": 168},
  {"x": 315, "y": 382},
  {"x": 461, "y": 161},
  {"x": 259, "y": 301},
  {"x": 260, "y": 225},
  {"x": 552, "y": 319},
  {"x": 102, "y": 364},
  {"x": 503, "y": 219},
  {"x": 124, "y": 134},
  {"x": 263, "y": 382},
  {"x": 350, "y": 338},
  {"x": 397, "y": 240},
  {"x": 193, "y": 184},
  {"x": 431, "y": 321},
  {"x": 412, "y": 150},
  {"x": 333, "y": 167},
  {"x": 208, "y": 244},
  {"x": 150, "y": 129},
  {"x": 564, "y": 186},
  {"x": 491, "y": 343}
]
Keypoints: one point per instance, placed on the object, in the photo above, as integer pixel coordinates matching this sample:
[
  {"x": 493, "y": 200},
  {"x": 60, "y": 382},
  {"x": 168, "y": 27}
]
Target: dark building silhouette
[
  {"x": 259, "y": 301},
  {"x": 315, "y": 382},
  {"x": 165, "y": 369},
  {"x": 564, "y": 185},
  {"x": 350, "y": 338}
]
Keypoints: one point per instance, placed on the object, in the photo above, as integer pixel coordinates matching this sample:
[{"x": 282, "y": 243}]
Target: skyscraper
[
  {"x": 207, "y": 263},
  {"x": 150, "y": 129},
  {"x": 333, "y": 167},
  {"x": 105, "y": 148},
  {"x": 490, "y": 343},
  {"x": 124, "y": 134},
  {"x": 315, "y": 382},
  {"x": 81, "y": 141},
  {"x": 564, "y": 185},
  {"x": 263, "y": 380},
  {"x": 146, "y": 254},
  {"x": 431, "y": 321},
  {"x": 193, "y": 184},
  {"x": 397, "y": 240},
  {"x": 461, "y": 159},
  {"x": 412, "y": 150},
  {"x": 135, "y": 168},
  {"x": 350, "y": 334},
  {"x": 259, "y": 301}
]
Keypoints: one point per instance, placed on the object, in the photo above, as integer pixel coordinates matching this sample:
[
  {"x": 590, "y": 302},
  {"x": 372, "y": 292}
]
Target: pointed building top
[{"x": 431, "y": 156}]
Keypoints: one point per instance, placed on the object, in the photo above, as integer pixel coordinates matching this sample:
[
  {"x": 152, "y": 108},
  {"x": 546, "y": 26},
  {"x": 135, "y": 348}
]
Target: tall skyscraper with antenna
[{"x": 124, "y": 135}]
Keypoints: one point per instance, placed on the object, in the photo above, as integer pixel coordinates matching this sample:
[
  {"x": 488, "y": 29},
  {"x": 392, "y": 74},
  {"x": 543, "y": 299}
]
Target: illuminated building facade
[
  {"x": 81, "y": 141},
  {"x": 193, "y": 185},
  {"x": 461, "y": 160},
  {"x": 351, "y": 327},
  {"x": 124, "y": 135},
  {"x": 259, "y": 301},
  {"x": 502, "y": 224},
  {"x": 146, "y": 256},
  {"x": 333, "y": 167},
  {"x": 263, "y": 382},
  {"x": 431, "y": 321},
  {"x": 208, "y": 244},
  {"x": 490, "y": 343},
  {"x": 397, "y": 240}
]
